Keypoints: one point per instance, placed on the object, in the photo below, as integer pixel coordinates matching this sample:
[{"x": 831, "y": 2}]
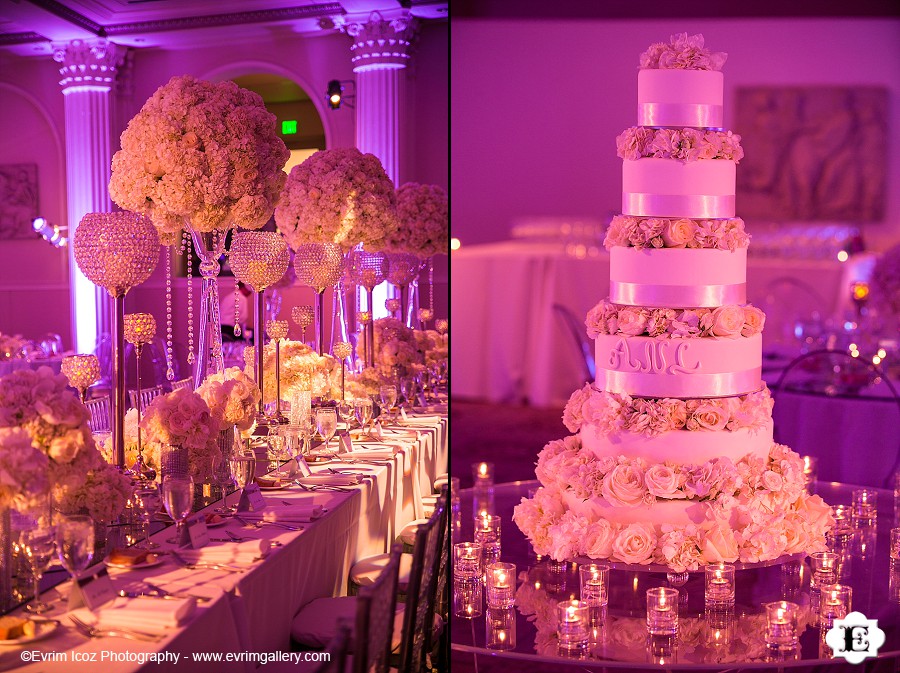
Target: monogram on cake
[{"x": 672, "y": 460}]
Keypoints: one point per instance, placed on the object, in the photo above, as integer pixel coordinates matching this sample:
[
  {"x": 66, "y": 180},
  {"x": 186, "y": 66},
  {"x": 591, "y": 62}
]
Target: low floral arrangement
[
  {"x": 368, "y": 382},
  {"x": 659, "y": 232},
  {"x": 232, "y": 397},
  {"x": 103, "y": 496},
  {"x": 202, "y": 154},
  {"x": 731, "y": 320},
  {"x": 338, "y": 196},
  {"x": 613, "y": 412},
  {"x": 433, "y": 346},
  {"x": 182, "y": 418},
  {"x": 886, "y": 282},
  {"x": 423, "y": 217},
  {"x": 150, "y": 449},
  {"x": 45, "y": 442},
  {"x": 765, "y": 498},
  {"x": 683, "y": 52},
  {"x": 12, "y": 346},
  {"x": 686, "y": 145},
  {"x": 301, "y": 368},
  {"x": 395, "y": 346}
]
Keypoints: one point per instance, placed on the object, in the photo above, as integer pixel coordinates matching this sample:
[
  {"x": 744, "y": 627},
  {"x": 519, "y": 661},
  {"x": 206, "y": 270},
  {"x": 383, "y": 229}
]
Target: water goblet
[
  {"x": 243, "y": 469},
  {"x": 326, "y": 422},
  {"x": 388, "y": 398},
  {"x": 362, "y": 409},
  {"x": 75, "y": 543},
  {"x": 147, "y": 501},
  {"x": 38, "y": 544},
  {"x": 178, "y": 497}
]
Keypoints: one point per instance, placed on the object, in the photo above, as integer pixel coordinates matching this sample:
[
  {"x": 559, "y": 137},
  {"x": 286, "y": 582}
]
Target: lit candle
[{"x": 500, "y": 586}]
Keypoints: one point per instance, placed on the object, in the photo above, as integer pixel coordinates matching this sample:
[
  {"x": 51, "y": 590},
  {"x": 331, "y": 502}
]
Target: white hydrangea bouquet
[
  {"x": 201, "y": 153},
  {"x": 302, "y": 368},
  {"x": 232, "y": 397},
  {"x": 423, "y": 221},
  {"x": 338, "y": 196},
  {"x": 395, "y": 346},
  {"x": 182, "y": 418}
]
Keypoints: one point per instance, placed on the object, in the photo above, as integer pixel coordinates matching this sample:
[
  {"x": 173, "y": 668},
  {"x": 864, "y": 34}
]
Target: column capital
[
  {"x": 88, "y": 63},
  {"x": 380, "y": 42}
]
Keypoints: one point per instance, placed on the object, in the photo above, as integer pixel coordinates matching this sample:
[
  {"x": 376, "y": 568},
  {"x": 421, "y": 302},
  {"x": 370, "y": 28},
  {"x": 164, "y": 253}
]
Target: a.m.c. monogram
[{"x": 659, "y": 357}]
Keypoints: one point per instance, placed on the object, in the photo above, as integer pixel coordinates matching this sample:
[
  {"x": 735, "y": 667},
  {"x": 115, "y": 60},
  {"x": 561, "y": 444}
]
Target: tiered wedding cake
[{"x": 672, "y": 460}]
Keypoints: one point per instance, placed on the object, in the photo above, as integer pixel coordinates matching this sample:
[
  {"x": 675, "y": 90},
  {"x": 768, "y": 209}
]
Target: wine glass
[
  {"x": 388, "y": 398},
  {"x": 326, "y": 422},
  {"x": 178, "y": 497},
  {"x": 362, "y": 409},
  {"x": 38, "y": 544},
  {"x": 243, "y": 469},
  {"x": 147, "y": 501},
  {"x": 75, "y": 543}
]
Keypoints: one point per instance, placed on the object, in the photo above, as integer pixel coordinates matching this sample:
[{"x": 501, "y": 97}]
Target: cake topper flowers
[{"x": 683, "y": 52}]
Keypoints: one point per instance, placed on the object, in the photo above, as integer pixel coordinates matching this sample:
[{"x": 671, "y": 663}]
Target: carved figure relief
[{"x": 18, "y": 200}]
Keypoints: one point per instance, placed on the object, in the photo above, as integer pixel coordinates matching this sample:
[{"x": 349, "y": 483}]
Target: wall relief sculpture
[{"x": 18, "y": 200}]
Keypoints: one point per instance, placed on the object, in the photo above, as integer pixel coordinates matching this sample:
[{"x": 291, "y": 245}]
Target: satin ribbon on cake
[
  {"x": 678, "y": 205},
  {"x": 676, "y": 296},
  {"x": 681, "y": 114},
  {"x": 639, "y": 384}
]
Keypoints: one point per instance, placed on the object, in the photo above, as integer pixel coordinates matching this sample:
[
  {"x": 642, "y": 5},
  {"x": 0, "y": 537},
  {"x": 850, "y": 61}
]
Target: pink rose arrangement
[
  {"x": 683, "y": 52},
  {"x": 614, "y": 412},
  {"x": 661, "y": 232},
  {"x": 423, "y": 217},
  {"x": 182, "y": 418},
  {"x": 731, "y": 321},
  {"x": 103, "y": 495},
  {"x": 685, "y": 145},
  {"x": 338, "y": 196},
  {"x": 202, "y": 154},
  {"x": 232, "y": 397}
]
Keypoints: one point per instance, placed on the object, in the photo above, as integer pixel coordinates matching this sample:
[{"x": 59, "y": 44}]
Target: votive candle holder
[
  {"x": 843, "y": 518},
  {"x": 467, "y": 561},
  {"x": 662, "y": 611},
  {"x": 864, "y": 509},
  {"x": 594, "y": 584},
  {"x": 500, "y": 628},
  {"x": 823, "y": 565},
  {"x": 573, "y": 625},
  {"x": 834, "y": 603},
  {"x": 719, "y": 584},
  {"x": 781, "y": 625},
  {"x": 487, "y": 534},
  {"x": 483, "y": 474},
  {"x": 468, "y": 596},
  {"x": 810, "y": 470},
  {"x": 501, "y": 585}
]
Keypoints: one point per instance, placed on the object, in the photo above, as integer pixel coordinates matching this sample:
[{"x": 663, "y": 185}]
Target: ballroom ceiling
[{"x": 27, "y": 27}]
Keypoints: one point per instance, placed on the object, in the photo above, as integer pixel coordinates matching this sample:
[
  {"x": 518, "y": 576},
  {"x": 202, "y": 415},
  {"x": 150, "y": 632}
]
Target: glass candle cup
[
  {"x": 834, "y": 603},
  {"x": 468, "y": 595},
  {"x": 823, "y": 565},
  {"x": 500, "y": 628},
  {"x": 501, "y": 585},
  {"x": 843, "y": 519},
  {"x": 487, "y": 534},
  {"x": 781, "y": 625},
  {"x": 662, "y": 611},
  {"x": 467, "y": 564},
  {"x": 864, "y": 509},
  {"x": 719, "y": 584},
  {"x": 594, "y": 584},
  {"x": 483, "y": 474},
  {"x": 573, "y": 627}
]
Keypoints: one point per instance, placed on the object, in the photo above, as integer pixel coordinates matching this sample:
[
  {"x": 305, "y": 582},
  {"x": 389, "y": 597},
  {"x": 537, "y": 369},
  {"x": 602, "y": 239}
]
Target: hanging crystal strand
[
  {"x": 170, "y": 369},
  {"x": 237, "y": 309},
  {"x": 190, "y": 297}
]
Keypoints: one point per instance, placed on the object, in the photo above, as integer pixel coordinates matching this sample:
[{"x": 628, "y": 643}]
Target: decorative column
[
  {"x": 89, "y": 69},
  {"x": 380, "y": 54}
]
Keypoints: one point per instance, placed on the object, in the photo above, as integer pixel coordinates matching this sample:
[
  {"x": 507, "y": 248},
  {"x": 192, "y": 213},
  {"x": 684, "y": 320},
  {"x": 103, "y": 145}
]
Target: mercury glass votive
[
  {"x": 500, "y": 579},
  {"x": 834, "y": 603},
  {"x": 719, "y": 585},
  {"x": 573, "y": 625},
  {"x": 781, "y": 625},
  {"x": 662, "y": 611},
  {"x": 823, "y": 565},
  {"x": 487, "y": 534},
  {"x": 500, "y": 628},
  {"x": 594, "y": 584},
  {"x": 864, "y": 508}
]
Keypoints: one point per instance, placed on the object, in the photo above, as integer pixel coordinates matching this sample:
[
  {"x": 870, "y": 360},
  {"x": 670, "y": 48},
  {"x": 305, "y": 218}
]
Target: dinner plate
[
  {"x": 280, "y": 487},
  {"x": 137, "y": 566},
  {"x": 43, "y": 628},
  {"x": 217, "y": 524}
]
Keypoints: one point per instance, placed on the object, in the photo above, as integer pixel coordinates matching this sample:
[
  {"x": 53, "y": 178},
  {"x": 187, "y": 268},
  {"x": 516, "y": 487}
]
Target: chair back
[
  {"x": 375, "y": 608},
  {"x": 147, "y": 396},
  {"x": 418, "y": 618},
  {"x": 98, "y": 408},
  {"x": 578, "y": 333},
  {"x": 183, "y": 383},
  {"x": 337, "y": 649}
]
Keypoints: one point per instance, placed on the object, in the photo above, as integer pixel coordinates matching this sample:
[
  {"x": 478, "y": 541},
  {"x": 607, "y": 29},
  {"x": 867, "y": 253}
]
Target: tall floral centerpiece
[
  {"x": 232, "y": 398},
  {"x": 201, "y": 157},
  {"x": 338, "y": 196},
  {"x": 302, "y": 368},
  {"x": 423, "y": 230}
]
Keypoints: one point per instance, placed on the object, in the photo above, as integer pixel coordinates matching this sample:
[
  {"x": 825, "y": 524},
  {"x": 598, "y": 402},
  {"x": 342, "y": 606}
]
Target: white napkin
[
  {"x": 286, "y": 513},
  {"x": 330, "y": 479},
  {"x": 149, "y": 615},
  {"x": 229, "y": 552},
  {"x": 375, "y": 454}
]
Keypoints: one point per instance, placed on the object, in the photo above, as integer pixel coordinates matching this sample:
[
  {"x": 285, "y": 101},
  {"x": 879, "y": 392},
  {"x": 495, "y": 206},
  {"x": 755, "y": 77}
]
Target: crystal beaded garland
[
  {"x": 319, "y": 265},
  {"x": 116, "y": 251},
  {"x": 81, "y": 370},
  {"x": 259, "y": 258},
  {"x": 368, "y": 268},
  {"x": 140, "y": 328},
  {"x": 277, "y": 329}
]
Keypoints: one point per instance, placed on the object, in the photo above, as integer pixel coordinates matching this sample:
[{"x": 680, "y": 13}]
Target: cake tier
[
  {"x": 678, "y": 513},
  {"x": 677, "y": 277},
  {"x": 683, "y": 446},
  {"x": 679, "y": 368},
  {"x": 671, "y": 188},
  {"x": 680, "y": 98}
]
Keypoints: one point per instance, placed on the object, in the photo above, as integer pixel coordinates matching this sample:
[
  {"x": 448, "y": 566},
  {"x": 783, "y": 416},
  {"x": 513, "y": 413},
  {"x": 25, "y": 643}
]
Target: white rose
[
  {"x": 635, "y": 543},
  {"x": 662, "y": 482},
  {"x": 678, "y": 233},
  {"x": 624, "y": 486},
  {"x": 727, "y": 320},
  {"x": 597, "y": 538},
  {"x": 719, "y": 543},
  {"x": 754, "y": 321},
  {"x": 632, "y": 321}
]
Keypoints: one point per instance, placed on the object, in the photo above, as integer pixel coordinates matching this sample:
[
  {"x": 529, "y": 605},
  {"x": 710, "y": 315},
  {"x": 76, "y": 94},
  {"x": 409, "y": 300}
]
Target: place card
[
  {"x": 195, "y": 534},
  {"x": 403, "y": 415},
  {"x": 379, "y": 433},
  {"x": 346, "y": 444},
  {"x": 251, "y": 499},
  {"x": 92, "y": 591},
  {"x": 303, "y": 467}
]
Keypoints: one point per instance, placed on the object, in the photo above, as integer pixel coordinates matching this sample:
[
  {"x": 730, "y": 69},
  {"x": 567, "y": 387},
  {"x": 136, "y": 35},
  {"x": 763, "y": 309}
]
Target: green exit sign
[{"x": 289, "y": 127}]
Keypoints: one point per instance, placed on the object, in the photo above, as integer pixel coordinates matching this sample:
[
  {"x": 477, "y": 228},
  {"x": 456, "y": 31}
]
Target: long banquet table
[{"x": 251, "y": 611}]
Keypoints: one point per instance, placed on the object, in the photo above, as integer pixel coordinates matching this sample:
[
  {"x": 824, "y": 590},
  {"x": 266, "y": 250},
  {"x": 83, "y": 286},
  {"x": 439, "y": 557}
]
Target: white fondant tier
[
  {"x": 681, "y": 446},
  {"x": 680, "y": 98},
  {"x": 680, "y": 368},
  {"x": 701, "y": 189},
  {"x": 677, "y": 277},
  {"x": 673, "y": 512}
]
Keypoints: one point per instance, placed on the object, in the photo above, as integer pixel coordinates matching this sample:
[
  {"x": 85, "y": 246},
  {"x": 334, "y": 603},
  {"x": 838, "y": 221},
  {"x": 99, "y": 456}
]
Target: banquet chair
[
  {"x": 183, "y": 383},
  {"x": 98, "y": 410},
  {"x": 372, "y": 612},
  {"x": 147, "y": 396},
  {"x": 578, "y": 333},
  {"x": 836, "y": 376},
  {"x": 789, "y": 305}
]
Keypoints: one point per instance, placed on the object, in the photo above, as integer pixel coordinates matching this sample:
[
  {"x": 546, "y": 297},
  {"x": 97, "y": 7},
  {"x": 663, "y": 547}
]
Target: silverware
[
  {"x": 94, "y": 632},
  {"x": 259, "y": 524},
  {"x": 159, "y": 591},
  {"x": 190, "y": 565},
  {"x": 312, "y": 488}
]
